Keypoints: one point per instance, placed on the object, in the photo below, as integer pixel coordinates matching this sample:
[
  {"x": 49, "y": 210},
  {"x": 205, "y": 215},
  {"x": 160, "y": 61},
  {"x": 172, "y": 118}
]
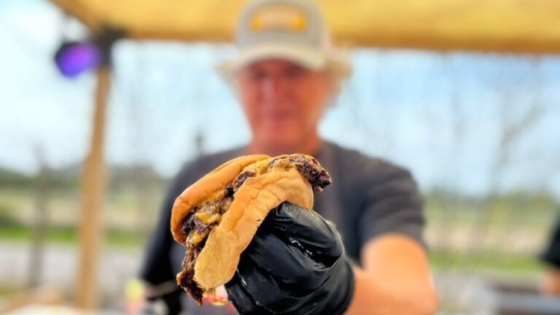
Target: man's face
[{"x": 283, "y": 101}]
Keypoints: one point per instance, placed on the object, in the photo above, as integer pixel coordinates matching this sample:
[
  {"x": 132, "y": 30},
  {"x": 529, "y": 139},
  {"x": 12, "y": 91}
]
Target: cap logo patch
[{"x": 278, "y": 17}]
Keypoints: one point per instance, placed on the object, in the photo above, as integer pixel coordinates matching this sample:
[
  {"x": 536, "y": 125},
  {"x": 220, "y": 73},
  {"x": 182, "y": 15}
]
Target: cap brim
[{"x": 303, "y": 56}]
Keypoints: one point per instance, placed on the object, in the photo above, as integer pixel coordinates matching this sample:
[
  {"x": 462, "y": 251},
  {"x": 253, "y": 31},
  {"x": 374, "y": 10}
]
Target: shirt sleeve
[
  {"x": 157, "y": 267},
  {"x": 391, "y": 203},
  {"x": 551, "y": 253}
]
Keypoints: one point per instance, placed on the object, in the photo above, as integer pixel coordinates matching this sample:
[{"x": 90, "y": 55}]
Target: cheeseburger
[{"x": 217, "y": 217}]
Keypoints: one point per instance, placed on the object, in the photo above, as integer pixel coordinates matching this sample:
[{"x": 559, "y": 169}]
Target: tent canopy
[{"x": 518, "y": 26}]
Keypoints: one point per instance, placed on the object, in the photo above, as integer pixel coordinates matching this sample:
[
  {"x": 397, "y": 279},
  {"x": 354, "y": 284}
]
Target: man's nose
[{"x": 273, "y": 87}]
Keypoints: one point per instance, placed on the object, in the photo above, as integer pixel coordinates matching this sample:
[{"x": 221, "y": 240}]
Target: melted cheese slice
[{"x": 211, "y": 215}]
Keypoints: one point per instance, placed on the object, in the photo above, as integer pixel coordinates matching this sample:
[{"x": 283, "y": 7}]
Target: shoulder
[
  {"x": 199, "y": 166},
  {"x": 359, "y": 168}
]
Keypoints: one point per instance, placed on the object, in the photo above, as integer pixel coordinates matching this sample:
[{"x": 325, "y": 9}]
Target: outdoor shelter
[
  {"x": 477, "y": 25},
  {"x": 502, "y": 26}
]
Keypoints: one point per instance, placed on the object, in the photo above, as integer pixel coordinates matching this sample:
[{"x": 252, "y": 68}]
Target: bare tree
[{"x": 515, "y": 121}]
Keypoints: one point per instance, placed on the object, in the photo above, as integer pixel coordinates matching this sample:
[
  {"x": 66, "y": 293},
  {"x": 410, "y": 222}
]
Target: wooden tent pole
[{"x": 93, "y": 186}]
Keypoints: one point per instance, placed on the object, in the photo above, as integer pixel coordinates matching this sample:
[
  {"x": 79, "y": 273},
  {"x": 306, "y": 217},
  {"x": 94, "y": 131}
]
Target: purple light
[{"x": 74, "y": 58}]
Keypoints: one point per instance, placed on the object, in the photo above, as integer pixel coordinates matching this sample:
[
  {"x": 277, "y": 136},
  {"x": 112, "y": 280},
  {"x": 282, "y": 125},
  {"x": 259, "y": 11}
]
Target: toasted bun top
[
  {"x": 219, "y": 258},
  {"x": 212, "y": 184}
]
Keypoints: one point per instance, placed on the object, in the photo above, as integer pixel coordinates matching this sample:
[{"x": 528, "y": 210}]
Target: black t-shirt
[
  {"x": 551, "y": 254},
  {"x": 368, "y": 197}
]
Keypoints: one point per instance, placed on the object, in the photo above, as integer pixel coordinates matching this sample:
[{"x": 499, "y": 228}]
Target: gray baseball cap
[{"x": 286, "y": 29}]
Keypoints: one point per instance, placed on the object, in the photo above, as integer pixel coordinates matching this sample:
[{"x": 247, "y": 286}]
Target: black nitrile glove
[{"x": 295, "y": 265}]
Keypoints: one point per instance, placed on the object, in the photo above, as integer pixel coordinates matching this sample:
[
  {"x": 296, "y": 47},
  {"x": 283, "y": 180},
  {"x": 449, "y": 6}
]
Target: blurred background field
[
  {"x": 473, "y": 240},
  {"x": 503, "y": 234},
  {"x": 479, "y": 131}
]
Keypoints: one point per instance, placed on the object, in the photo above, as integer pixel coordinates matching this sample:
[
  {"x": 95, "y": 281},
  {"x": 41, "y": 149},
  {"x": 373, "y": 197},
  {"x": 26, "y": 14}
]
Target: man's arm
[{"x": 395, "y": 279}]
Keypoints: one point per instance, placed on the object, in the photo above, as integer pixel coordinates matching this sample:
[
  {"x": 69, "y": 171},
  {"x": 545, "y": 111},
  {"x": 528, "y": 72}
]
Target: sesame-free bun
[
  {"x": 255, "y": 198},
  {"x": 210, "y": 184},
  {"x": 219, "y": 258}
]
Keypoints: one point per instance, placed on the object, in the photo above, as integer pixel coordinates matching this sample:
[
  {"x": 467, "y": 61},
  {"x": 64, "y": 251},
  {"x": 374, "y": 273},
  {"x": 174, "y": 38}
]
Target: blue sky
[{"x": 441, "y": 115}]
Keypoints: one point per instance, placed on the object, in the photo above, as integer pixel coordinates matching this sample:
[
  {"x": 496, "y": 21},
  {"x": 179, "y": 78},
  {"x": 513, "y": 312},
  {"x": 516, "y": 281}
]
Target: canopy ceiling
[{"x": 521, "y": 26}]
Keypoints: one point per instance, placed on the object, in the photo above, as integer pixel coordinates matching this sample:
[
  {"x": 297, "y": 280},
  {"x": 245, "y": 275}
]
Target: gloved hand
[{"x": 295, "y": 265}]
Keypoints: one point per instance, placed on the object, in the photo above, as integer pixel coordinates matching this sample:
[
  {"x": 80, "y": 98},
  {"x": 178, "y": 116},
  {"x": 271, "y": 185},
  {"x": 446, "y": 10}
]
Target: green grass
[
  {"x": 69, "y": 236},
  {"x": 15, "y": 234},
  {"x": 128, "y": 216},
  {"x": 485, "y": 261},
  {"x": 7, "y": 289},
  {"x": 525, "y": 211}
]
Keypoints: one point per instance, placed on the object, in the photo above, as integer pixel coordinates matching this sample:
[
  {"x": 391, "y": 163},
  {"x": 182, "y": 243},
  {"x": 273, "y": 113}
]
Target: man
[{"x": 285, "y": 76}]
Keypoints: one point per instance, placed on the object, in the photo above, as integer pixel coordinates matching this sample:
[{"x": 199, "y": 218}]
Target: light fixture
[{"x": 73, "y": 58}]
